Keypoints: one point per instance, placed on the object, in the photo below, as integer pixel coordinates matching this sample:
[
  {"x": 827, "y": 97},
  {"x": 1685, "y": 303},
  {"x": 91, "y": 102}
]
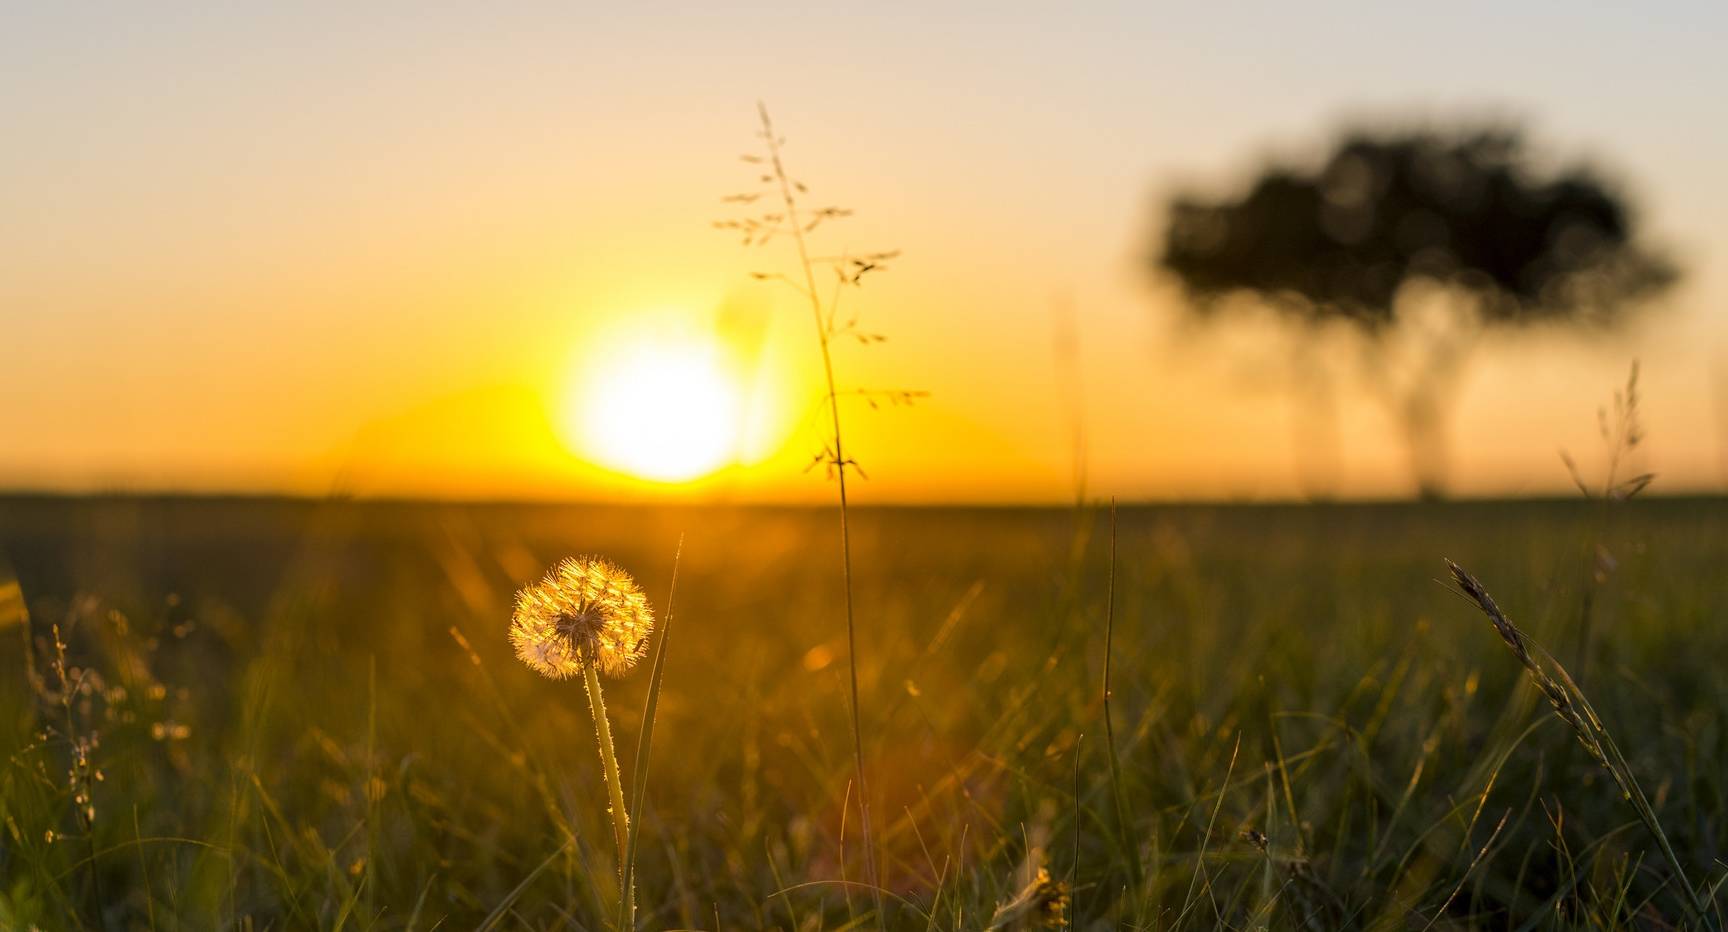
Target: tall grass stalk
[
  {"x": 840, "y": 462},
  {"x": 644, "y": 744},
  {"x": 69, "y": 684},
  {"x": 1621, "y": 434},
  {"x": 1123, "y": 829},
  {"x": 1574, "y": 708}
]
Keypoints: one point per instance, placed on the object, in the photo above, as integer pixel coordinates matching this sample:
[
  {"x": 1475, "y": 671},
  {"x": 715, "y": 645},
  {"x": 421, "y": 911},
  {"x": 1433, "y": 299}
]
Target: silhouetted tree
[{"x": 1468, "y": 213}]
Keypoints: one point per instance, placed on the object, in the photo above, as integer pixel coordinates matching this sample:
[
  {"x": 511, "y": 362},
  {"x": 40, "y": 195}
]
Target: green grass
[{"x": 1312, "y": 731}]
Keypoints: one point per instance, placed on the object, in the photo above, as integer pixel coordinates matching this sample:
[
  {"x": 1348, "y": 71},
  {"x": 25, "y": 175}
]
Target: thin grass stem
[
  {"x": 1123, "y": 830},
  {"x": 840, "y": 464}
]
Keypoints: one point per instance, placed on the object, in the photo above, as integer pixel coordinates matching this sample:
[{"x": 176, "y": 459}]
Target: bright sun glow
[{"x": 663, "y": 409}]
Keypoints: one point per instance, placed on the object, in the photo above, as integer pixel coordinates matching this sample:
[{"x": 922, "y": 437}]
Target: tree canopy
[{"x": 1470, "y": 209}]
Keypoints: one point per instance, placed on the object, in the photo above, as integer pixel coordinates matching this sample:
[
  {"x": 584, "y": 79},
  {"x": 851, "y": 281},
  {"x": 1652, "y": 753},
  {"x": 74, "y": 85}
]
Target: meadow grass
[{"x": 306, "y": 715}]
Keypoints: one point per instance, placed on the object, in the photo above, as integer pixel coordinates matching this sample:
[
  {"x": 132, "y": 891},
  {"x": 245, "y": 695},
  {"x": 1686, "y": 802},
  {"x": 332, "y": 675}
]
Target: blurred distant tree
[{"x": 1418, "y": 240}]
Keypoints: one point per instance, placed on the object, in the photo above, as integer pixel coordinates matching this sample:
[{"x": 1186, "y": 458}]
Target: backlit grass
[{"x": 308, "y": 715}]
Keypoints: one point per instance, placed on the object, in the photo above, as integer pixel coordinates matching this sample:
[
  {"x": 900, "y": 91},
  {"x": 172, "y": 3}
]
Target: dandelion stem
[
  {"x": 840, "y": 463},
  {"x": 614, "y": 783}
]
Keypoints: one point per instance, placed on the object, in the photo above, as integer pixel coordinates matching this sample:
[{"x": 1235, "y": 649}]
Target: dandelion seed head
[{"x": 585, "y": 611}]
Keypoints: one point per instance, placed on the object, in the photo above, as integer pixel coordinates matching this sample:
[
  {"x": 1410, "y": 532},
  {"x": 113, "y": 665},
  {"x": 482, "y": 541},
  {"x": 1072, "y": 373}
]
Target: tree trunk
[
  {"x": 1314, "y": 430},
  {"x": 1423, "y": 419}
]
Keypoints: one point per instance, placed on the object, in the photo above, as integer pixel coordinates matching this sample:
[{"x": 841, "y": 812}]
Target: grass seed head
[
  {"x": 1560, "y": 691},
  {"x": 586, "y": 610}
]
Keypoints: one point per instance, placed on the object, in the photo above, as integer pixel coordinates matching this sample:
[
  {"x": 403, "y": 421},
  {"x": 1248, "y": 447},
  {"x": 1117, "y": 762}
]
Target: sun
[{"x": 666, "y": 409}]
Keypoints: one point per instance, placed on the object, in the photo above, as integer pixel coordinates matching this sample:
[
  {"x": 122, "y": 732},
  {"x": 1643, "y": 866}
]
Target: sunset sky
[{"x": 403, "y": 249}]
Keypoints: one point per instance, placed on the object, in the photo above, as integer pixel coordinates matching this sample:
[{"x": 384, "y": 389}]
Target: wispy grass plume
[
  {"x": 1622, "y": 431},
  {"x": 795, "y": 220}
]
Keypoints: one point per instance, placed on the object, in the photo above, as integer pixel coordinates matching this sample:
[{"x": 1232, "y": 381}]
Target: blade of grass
[
  {"x": 1474, "y": 863},
  {"x": 645, "y": 742},
  {"x": 510, "y": 898},
  {"x": 1123, "y": 831},
  {"x": 1189, "y": 901}
]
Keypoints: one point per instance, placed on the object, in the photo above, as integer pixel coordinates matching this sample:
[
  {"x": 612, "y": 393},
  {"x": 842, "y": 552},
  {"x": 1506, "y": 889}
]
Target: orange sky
[{"x": 371, "y": 251}]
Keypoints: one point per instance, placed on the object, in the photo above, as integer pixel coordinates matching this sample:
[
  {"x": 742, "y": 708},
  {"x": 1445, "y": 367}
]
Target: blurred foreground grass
[{"x": 285, "y": 726}]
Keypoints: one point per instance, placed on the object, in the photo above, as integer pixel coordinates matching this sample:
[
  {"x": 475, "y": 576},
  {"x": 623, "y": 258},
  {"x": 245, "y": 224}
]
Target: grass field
[{"x": 307, "y": 715}]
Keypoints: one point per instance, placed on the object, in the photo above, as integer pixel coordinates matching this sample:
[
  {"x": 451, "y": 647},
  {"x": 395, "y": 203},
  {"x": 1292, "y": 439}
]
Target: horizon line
[{"x": 27, "y": 495}]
